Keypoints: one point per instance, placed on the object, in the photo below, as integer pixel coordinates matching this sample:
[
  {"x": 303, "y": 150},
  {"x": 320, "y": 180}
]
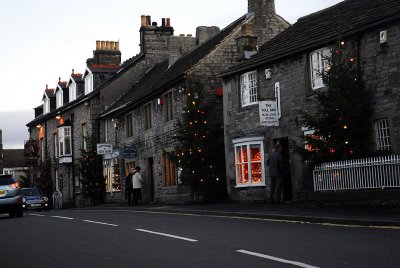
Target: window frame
[
  {"x": 64, "y": 142},
  {"x": 382, "y": 135},
  {"x": 56, "y": 144},
  {"x": 168, "y": 106},
  {"x": 129, "y": 125},
  {"x": 88, "y": 83},
  {"x": 170, "y": 177},
  {"x": 46, "y": 105},
  {"x": 248, "y": 142},
  {"x": 147, "y": 116},
  {"x": 84, "y": 135},
  {"x": 59, "y": 98},
  {"x": 72, "y": 92},
  {"x": 249, "y": 89},
  {"x": 318, "y": 65}
]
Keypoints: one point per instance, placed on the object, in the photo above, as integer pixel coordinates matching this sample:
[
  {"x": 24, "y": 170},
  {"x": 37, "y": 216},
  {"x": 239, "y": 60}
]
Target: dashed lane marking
[
  {"x": 59, "y": 217},
  {"x": 167, "y": 235},
  {"x": 102, "y": 223},
  {"x": 272, "y": 258},
  {"x": 37, "y": 215},
  {"x": 252, "y": 218}
]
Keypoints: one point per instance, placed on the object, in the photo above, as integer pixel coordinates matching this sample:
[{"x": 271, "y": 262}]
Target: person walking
[
  {"x": 275, "y": 163},
  {"x": 128, "y": 186},
  {"x": 136, "y": 186}
]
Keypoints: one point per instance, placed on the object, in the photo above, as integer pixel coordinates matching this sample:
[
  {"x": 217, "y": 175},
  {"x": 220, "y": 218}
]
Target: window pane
[
  {"x": 255, "y": 153},
  {"x": 256, "y": 173}
]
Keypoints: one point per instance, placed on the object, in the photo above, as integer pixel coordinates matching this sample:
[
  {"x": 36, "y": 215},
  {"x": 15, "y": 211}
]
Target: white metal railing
[
  {"x": 57, "y": 200},
  {"x": 368, "y": 173}
]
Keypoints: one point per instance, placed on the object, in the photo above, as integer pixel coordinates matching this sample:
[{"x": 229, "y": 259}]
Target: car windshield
[
  {"x": 30, "y": 192},
  {"x": 6, "y": 180}
]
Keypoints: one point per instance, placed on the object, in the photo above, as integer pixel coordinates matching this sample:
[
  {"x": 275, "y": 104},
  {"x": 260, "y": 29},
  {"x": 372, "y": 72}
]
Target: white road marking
[
  {"x": 59, "y": 217},
  {"x": 276, "y": 259},
  {"x": 38, "y": 215},
  {"x": 103, "y": 223},
  {"x": 168, "y": 235}
]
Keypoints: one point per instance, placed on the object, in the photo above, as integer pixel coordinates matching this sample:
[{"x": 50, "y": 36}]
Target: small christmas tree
[
  {"x": 44, "y": 182},
  {"x": 200, "y": 148},
  {"x": 93, "y": 183},
  {"x": 341, "y": 116}
]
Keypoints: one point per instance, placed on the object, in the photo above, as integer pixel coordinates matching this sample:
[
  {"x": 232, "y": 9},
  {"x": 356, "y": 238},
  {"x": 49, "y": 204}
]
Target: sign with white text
[
  {"x": 269, "y": 114},
  {"x": 103, "y": 148}
]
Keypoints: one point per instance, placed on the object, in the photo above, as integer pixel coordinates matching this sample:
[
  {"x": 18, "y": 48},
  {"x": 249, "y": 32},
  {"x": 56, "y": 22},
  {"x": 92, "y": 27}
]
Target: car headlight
[{"x": 45, "y": 199}]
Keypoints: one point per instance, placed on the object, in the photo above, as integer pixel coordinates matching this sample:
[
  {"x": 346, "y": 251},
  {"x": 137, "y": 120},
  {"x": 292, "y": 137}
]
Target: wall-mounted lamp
[
  {"x": 160, "y": 101},
  {"x": 268, "y": 74},
  {"x": 58, "y": 116},
  {"x": 38, "y": 125}
]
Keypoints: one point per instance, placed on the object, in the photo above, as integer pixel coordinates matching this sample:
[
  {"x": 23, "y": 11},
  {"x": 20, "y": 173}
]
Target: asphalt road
[{"x": 106, "y": 238}]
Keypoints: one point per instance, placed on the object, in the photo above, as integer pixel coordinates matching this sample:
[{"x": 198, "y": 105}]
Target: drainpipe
[{"x": 73, "y": 161}]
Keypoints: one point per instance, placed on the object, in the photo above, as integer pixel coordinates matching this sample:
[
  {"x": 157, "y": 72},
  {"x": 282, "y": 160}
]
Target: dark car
[
  {"x": 33, "y": 199},
  {"x": 10, "y": 196}
]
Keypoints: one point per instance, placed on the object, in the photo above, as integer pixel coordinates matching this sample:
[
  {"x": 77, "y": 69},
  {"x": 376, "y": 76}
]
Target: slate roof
[
  {"x": 162, "y": 76},
  {"x": 13, "y": 158},
  {"x": 315, "y": 30}
]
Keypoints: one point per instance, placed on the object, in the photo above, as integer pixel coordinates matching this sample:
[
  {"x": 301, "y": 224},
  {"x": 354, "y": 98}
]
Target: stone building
[
  {"x": 69, "y": 113},
  {"x": 1, "y": 151},
  {"x": 286, "y": 69},
  {"x": 139, "y": 125}
]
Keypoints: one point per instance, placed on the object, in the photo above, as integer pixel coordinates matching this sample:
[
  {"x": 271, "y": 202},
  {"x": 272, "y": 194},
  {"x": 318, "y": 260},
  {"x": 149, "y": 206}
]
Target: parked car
[
  {"x": 33, "y": 199},
  {"x": 10, "y": 196}
]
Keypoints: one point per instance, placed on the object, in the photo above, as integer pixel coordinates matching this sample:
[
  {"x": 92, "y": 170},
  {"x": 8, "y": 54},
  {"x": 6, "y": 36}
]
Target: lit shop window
[{"x": 249, "y": 161}]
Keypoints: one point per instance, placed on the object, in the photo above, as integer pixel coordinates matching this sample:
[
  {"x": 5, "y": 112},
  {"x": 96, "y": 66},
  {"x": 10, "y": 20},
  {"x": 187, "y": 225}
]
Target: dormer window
[
  {"x": 88, "y": 83},
  {"x": 72, "y": 92},
  {"x": 46, "y": 105},
  {"x": 59, "y": 98}
]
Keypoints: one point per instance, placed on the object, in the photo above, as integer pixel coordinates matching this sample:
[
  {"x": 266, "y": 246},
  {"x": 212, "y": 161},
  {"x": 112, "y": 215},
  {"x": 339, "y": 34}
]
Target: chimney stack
[
  {"x": 107, "y": 52},
  {"x": 204, "y": 33}
]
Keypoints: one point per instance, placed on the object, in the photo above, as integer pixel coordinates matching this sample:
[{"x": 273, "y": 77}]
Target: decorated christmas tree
[
  {"x": 200, "y": 146},
  {"x": 340, "y": 120},
  {"x": 93, "y": 183},
  {"x": 44, "y": 182}
]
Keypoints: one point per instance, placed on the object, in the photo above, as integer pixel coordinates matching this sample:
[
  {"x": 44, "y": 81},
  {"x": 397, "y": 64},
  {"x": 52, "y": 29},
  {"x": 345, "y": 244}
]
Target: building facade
[{"x": 286, "y": 70}]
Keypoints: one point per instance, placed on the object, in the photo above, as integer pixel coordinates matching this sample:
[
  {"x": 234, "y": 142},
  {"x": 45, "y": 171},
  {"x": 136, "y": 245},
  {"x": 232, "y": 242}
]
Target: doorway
[
  {"x": 287, "y": 179},
  {"x": 150, "y": 178}
]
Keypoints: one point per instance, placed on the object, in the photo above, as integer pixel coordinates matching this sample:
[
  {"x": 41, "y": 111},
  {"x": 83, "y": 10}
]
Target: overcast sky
[{"x": 42, "y": 40}]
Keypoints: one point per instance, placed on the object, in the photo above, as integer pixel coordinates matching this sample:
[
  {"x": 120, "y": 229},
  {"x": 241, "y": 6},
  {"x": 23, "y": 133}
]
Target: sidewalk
[{"x": 290, "y": 212}]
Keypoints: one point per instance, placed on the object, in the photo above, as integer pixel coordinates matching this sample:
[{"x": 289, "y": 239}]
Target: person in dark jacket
[{"x": 276, "y": 172}]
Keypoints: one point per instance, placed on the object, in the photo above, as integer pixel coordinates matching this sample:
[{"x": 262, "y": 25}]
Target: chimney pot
[
  {"x": 168, "y": 22},
  {"x": 108, "y": 43},
  {"x": 143, "y": 20},
  {"x": 154, "y": 23},
  {"x": 73, "y": 71},
  {"x": 148, "y": 20},
  {"x": 190, "y": 35},
  {"x": 163, "y": 22},
  {"x": 117, "y": 46},
  {"x": 103, "y": 45},
  {"x": 182, "y": 35},
  {"x": 97, "y": 44}
]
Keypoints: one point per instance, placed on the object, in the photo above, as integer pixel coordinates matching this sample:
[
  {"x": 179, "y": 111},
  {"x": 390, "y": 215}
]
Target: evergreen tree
[
  {"x": 200, "y": 145},
  {"x": 93, "y": 183},
  {"x": 44, "y": 182},
  {"x": 342, "y": 112}
]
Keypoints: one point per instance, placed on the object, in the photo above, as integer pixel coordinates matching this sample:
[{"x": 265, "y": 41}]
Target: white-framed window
[
  {"x": 64, "y": 141},
  {"x": 249, "y": 162},
  {"x": 248, "y": 88},
  {"x": 278, "y": 98},
  {"x": 318, "y": 65},
  {"x": 168, "y": 107},
  {"x": 88, "y": 83},
  {"x": 59, "y": 98},
  {"x": 72, "y": 92},
  {"x": 46, "y": 106},
  {"x": 382, "y": 135}
]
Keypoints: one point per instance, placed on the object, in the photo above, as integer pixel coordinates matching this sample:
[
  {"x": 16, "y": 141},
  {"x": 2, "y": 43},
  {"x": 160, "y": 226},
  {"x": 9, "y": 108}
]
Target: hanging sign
[
  {"x": 269, "y": 114},
  {"x": 103, "y": 148},
  {"x": 129, "y": 152}
]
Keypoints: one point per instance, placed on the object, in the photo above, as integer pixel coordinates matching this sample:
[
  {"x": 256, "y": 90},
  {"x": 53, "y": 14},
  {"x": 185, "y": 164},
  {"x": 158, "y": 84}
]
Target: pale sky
[{"x": 42, "y": 40}]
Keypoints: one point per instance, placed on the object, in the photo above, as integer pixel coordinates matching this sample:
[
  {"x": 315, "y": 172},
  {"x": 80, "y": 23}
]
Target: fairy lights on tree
[
  {"x": 200, "y": 147},
  {"x": 341, "y": 117}
]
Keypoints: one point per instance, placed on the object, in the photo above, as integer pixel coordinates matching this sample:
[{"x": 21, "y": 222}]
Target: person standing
[
  {"x": 128, "y": 186},
  {"x": 136, "y": 186},
  {"x": 276, "y": 171}
]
